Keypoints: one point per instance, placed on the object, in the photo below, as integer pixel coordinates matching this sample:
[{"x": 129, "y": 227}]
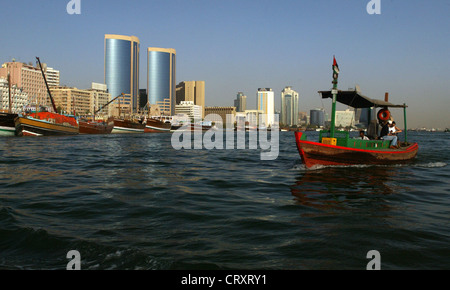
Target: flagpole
[{"x": 334, "y": 92}]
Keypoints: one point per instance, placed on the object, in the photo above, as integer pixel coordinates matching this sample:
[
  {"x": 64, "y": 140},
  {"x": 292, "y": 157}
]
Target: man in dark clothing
[{"x": 384, "y": 134}]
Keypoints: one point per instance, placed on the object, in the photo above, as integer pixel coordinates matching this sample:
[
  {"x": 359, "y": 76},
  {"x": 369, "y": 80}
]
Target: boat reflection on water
[{"x": 337, "y": 188}]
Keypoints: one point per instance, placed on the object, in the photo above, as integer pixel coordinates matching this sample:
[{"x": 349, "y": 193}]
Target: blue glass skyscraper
[
  {"x": 161, "y": 83},
  {"x": 122, "y": 69}
]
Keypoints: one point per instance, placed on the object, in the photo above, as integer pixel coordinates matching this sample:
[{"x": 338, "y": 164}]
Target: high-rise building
[
  {"x": 193, "y": 91},
  {"x": 161, "y": 82},
  {"x": 29, "y": 79},
  {"x": 317, "y": 117},
  {"x": 265, "y": 103},
  {"x": 289, "y": 107},
  {"x": 122, "y": 69},
  {"x": 241, "y": 102},
  {"x": 345, "y": 118}
]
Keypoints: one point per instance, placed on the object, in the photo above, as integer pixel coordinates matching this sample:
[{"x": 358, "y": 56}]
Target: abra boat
[
  {"x": 337, "y": 148},
  {"x": 46, "y": 123},
  {"x": 96, "y": 127}
]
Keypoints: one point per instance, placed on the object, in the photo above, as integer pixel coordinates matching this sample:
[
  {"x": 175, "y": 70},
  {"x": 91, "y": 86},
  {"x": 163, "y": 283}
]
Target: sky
[{"x": 240, "y": 46}]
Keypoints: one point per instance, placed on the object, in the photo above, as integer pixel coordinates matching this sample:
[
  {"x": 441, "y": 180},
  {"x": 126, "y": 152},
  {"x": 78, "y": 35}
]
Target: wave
[{"x": 302, "y": 167}]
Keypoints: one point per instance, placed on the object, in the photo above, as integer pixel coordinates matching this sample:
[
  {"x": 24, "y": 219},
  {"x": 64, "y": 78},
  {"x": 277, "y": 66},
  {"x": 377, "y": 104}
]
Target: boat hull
[
  {"x": 96, "y": 127},
  {"x": 156, "y": 126},
  {"x": 127, "y": 126},
  {"x": 7, "y": 125},
  {"x": 26, "y": 126},
  {"x": 314, "y": 153}
]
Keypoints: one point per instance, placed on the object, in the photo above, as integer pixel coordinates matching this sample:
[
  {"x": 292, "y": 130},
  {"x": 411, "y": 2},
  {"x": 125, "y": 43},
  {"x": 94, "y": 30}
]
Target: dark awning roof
[{"x": 356, "y": 100}]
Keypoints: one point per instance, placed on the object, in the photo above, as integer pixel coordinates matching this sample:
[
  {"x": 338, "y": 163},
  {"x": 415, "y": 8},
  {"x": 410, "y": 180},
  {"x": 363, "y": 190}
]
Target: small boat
[
  {"x": 128, "y": 126},
  {"x": 46, "y": 123},
  {"x": 337, "y": 148},
  {"x": 156, "y": 126},
  {"x": 96, "y": 127}
]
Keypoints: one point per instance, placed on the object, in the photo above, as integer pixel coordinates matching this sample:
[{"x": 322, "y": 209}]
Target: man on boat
[{"x": 386, "y": 135}]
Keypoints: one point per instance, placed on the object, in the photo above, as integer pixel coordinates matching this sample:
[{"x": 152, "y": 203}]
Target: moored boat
[
  {"x": 157, "y": 126},
  {"x": 46, "y": 123},
  {"x": 7, "y": 125},
  {"x": 128, "y": 126},
  {"x": 96, "y": 127},
  {"x": 337, "y": 148}
]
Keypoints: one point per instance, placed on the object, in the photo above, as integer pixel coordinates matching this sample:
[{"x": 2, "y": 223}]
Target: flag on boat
[{"x": 335, "y": 66}]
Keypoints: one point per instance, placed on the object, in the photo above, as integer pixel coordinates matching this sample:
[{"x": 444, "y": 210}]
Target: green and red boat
[{"x": 337, "y": 148}]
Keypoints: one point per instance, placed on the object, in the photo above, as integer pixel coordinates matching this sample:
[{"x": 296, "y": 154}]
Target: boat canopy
[{"x": 355, "y": 99}]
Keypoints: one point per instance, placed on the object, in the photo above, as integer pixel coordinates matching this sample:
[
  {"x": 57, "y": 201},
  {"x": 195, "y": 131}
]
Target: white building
[
  {"x": 52, "y": 76},
  {"x": 265, "y": 103},
  {"x": 289, "y": 107},
  {"x": 194, "y": 112},
  {"x": 345, "y": 118},
  {"x": 19, "y": 98}
]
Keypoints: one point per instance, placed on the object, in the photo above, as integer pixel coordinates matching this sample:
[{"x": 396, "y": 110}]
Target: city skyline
[{"x": 403, "y": 51}]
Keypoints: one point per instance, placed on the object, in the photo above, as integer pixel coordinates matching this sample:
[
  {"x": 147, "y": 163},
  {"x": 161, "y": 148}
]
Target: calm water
[{"x": 133, "y": 202}]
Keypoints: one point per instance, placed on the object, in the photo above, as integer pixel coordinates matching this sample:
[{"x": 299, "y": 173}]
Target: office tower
[
  {"x": 219, "y": 114},
  {"x": 161, "y": 72},
  {"x": 289, "y": 107},
  {"x": 345, "y": 118},
  {"x": 122, "y": 70},
  {"x": 193, "y": 91},
  {"x": 317, "y": 117},
  {"x": 241, "y": 102},
  {"x": 265, "y": 103}
]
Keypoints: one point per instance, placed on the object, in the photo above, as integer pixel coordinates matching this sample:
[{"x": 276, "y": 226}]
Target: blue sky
[{"x": 247, "y": 44}]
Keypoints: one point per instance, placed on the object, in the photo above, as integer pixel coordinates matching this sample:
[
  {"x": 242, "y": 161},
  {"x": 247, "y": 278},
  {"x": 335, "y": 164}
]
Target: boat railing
[{"x": 343, "y": 139}]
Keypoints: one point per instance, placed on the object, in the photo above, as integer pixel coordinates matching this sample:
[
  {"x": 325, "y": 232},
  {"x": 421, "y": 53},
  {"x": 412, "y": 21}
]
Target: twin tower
[{"x": 122, "y": 73}]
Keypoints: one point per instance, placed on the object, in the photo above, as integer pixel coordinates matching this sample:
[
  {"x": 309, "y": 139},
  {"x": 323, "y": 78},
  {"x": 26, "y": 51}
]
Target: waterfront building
[
  {"x": 81, "y": 102},
  {"x": 317, "y": 117},
  {"x": 161, "y": 72},
  {"x": 19, "y": 98},
  {"x": 29, "y": 79},
  {"x": 302, "y": 118},
  {"x": 122, "y": 69},
  {"x": 345, "y": 118},
  {"x": 220, "y": 114},
  {"x": 193, "y": 91},
  {"x": 189, "y": 109},
  {"x": 265, "y": 102},
  {"x": 100, "y": 97},
  {"x": 52, "y": 76},
  {"x": 241, "y": 102},
  {"x": 253, "y": 117},
  {"x": 289, "y": 107}
]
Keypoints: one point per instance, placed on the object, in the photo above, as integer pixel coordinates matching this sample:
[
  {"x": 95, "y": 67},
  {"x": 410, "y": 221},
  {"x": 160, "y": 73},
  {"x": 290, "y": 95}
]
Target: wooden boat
[
  {"x": 156, "y": 126},
  {"x": 96, "y": 127},
  {"x": 337, "y": 148},
  {"x": 46, "y": 123},
  {"x": 128, "y": 126},
  {"x": 7, "y": 125}
]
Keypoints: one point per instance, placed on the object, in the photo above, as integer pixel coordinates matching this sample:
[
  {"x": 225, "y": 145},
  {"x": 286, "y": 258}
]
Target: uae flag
[{"x": 335, "y": 66}]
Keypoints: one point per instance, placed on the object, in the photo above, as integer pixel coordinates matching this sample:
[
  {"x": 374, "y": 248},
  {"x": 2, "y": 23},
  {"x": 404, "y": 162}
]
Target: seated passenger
[
  {"x": 362, "y": 136},
  {"x": 385, "y": 135}
]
